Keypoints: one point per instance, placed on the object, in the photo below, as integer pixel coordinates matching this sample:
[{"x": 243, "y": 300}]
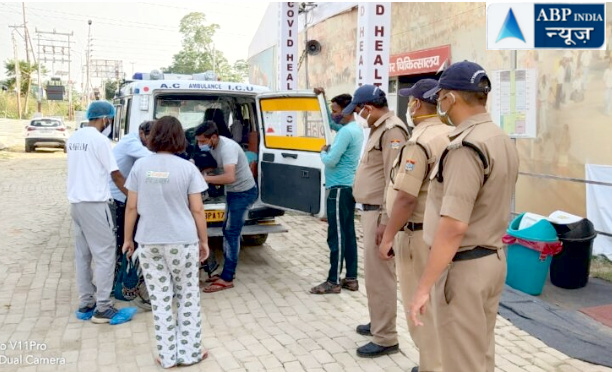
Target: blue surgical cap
[{"x": 100, "y": 109}]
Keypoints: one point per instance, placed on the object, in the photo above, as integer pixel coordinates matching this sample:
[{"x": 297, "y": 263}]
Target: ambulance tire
[{"x": 254, "y": 240}]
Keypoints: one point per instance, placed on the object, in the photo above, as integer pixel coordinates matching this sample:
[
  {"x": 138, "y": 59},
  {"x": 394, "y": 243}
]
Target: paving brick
[{"x": 268, "y": 322}]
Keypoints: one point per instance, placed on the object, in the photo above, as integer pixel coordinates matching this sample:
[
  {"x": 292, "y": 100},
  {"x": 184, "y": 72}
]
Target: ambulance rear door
[{"x": 294, "y": 127}]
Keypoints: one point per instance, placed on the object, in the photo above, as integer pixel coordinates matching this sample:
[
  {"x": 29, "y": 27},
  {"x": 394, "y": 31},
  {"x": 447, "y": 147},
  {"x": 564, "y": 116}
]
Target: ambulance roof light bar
[{"x": 156, "y": 75}]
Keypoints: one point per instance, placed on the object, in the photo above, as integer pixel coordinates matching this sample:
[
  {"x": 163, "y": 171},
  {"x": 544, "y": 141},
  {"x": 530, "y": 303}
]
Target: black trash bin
[{"x": 570, "y": 268}]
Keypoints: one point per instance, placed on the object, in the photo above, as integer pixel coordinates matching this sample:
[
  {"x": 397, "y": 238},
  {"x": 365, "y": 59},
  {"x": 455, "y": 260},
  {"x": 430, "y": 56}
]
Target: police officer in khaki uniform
[
  {"x": 388, "y": 134},
  {"x": 406, "y": 197},
  {"x": 466, "y": 215}
]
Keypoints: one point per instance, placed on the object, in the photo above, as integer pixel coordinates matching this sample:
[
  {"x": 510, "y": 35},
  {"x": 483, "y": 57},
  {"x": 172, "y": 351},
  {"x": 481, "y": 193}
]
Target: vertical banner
[
  {"x": 373, "y": 47},
  {"x": 373, "y": 44},
  {"x": 288, "y": 59}
]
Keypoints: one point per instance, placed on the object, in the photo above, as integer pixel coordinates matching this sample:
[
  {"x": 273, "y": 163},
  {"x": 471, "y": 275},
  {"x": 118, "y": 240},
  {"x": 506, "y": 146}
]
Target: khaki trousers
[
  {"x": 411, "y": 254},
  {"x": 467, "y": 299},
  {"x": 381, "y": 285}
]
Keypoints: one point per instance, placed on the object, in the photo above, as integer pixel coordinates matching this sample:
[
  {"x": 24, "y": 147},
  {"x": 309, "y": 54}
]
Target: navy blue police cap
[
  {"x": 463, "y": 76},
  {"x": 364, "y": 94},
  {"x": 419, "y": 89}
]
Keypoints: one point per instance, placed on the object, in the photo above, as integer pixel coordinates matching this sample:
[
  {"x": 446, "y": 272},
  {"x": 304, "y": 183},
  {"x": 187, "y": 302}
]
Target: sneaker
[
  {"x": 105, "y": 316},
  {"x": 85, "y": 312},
  {"x": 350, "y": 284},
  {"x": 326, "y": 288}
]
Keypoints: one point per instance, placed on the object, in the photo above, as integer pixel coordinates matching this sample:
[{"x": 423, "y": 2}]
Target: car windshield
[{"x": 45, "y": 123}]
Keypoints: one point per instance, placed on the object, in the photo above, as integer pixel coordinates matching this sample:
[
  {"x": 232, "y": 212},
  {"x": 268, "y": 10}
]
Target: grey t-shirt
[
  {"x": 230, "y": 152},
  {"x": 163, "y": 183}
]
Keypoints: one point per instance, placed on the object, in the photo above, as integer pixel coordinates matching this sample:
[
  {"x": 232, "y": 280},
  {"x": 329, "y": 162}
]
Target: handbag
[{"x": 127, "y": 279}]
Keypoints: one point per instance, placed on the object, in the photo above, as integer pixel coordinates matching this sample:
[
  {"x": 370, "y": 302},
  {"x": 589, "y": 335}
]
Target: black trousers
[{"x": 341, "y": 236}]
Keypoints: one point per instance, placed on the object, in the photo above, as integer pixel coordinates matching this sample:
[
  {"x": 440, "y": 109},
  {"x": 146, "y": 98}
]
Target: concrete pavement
[{"x": 268, "y": 322}]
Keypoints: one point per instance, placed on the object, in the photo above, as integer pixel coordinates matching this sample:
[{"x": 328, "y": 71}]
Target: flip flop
[
  {"x": 213, "y": 278},
  {"x": 217, "y": 286}
]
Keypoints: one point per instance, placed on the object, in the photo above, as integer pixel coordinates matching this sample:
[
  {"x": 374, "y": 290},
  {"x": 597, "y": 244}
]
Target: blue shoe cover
[
  {"x": 123, "y": 315},
  {"x": 84, "y": 316}
]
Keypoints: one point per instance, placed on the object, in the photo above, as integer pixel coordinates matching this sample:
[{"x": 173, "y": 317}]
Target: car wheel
[
  {"x": 254, "y": 240},
  {"x": 29, "y": 147}
]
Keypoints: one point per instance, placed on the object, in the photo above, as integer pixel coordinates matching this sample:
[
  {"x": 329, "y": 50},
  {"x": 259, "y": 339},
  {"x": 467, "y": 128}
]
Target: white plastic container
[
  {"x": 530, "y": 219},
  {"x": 563, "y": 218}
]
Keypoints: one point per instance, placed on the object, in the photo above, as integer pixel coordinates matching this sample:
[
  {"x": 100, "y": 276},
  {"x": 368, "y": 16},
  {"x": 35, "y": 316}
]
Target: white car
[
  {"x": 83, "y": 124},
  {"x": 45, "y": 132}
]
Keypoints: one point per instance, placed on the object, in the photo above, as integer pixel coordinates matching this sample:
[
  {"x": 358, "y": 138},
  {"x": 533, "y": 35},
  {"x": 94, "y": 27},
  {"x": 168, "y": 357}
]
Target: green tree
[
  {"x": 110, "y": 88},
  {"x": 198, "y": 53},
  {"x": 27, "y": 72}
]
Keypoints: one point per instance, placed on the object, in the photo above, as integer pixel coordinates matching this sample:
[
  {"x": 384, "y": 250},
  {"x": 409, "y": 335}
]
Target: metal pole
[
  {"x": 17, "y": 75},
  {"x": 87, "y": 84},
  {"x": 39, "y": 80},
  {"x": 26, "y": 37},
  {"x": 70, "y": 116},
  {"x": 513, "y": 63}
]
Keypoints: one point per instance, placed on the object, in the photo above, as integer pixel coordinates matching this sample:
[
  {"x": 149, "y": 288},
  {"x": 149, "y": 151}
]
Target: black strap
[
  {"x": 407, "y": 135},
  {"x": 370, "y": 207},
  {"x": 473, "y": 254},
  {"x": 481, "y": 155},
  {"x": 401, "y": 156},
  {"x": 413, "y": 226}
]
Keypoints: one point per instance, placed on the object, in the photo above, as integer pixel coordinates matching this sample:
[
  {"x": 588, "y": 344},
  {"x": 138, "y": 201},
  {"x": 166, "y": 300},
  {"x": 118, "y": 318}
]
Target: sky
[{"x": 144, "y": 35}]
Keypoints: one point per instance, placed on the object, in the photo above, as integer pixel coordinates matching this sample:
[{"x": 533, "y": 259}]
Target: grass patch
[{"x": 601, "y": 268}]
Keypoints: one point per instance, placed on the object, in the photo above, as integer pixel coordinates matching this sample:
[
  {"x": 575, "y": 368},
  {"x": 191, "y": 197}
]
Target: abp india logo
[
  {"x": 546, "y": 26},
  {"x": 517, "y": 27},
  {"x": 510, "y": 28}
]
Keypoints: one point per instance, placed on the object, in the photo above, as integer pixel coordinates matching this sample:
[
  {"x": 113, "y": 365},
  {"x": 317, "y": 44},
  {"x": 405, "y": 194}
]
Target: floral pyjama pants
[{"x": 171, "y": 275}]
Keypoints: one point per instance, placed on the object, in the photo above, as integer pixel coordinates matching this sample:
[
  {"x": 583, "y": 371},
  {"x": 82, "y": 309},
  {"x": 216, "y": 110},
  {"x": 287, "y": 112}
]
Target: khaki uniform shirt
[
  {"x": 473, "y": 192},
  {"x": 417, "y": 160},
  {"x": 387, "y": 136}
]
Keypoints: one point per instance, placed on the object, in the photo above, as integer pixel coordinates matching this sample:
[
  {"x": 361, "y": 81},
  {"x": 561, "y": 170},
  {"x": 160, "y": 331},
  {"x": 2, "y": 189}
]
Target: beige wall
[{"x": 576, "y": 133}]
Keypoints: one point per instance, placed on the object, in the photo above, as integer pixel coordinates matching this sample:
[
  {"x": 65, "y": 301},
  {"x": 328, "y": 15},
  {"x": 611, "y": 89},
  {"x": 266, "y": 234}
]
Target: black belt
[
  {"x": 413, "y": 226},
  {"x": 370, "y": 207},
  {"x": 473, "y": 254}
]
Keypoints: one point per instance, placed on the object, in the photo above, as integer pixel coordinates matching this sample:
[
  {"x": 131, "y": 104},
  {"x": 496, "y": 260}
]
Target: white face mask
[
  {"x": 107, "y": 131},
  {"x": 409, "y": 120},
  {"x": 361, "y": 121}
]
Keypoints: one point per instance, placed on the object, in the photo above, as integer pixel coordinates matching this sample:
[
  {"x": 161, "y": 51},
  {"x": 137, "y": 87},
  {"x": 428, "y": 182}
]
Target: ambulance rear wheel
[{"x": 254, "y": 240}]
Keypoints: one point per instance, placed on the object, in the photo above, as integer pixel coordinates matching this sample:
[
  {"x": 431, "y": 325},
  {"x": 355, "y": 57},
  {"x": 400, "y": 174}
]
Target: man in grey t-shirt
[{"x": 241, "y": 194}]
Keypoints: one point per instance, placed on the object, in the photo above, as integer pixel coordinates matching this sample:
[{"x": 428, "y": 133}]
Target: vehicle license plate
[{"x": 215, "y": 216}]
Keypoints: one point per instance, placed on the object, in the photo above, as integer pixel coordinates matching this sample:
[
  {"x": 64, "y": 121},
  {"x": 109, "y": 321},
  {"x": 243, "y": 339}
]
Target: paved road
[{"x": 267, "y": 323}]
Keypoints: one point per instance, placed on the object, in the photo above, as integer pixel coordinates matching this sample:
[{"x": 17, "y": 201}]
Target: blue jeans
[{"x": 238, "y": 204}]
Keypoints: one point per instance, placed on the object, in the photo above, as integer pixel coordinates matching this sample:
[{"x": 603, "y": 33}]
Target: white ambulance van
[{"x": 285, "y": 129}]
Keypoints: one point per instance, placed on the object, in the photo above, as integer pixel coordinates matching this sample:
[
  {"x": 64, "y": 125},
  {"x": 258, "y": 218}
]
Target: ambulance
[{"x": 286, "y": 130}]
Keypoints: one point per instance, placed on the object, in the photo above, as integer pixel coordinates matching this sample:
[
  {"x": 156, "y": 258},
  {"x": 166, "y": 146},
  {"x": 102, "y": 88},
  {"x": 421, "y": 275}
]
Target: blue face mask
[
  {"x": 204, "y": 147},
  {"x": 337, "y": 118}
]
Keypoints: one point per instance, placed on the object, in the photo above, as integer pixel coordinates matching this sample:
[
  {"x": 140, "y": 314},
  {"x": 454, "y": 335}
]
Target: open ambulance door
[{"x": 294, "y": 127}]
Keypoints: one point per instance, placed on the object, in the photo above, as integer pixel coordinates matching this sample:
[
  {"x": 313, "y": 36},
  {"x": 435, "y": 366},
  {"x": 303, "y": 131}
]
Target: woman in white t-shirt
[{"x": 165, "y": 190}]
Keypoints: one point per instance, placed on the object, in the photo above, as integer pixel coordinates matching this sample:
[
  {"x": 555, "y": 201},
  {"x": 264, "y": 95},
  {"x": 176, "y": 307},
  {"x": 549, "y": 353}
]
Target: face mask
[
  {"x": 409, "y": 114},
  {"x": 204, "y": 147},
  {"x": 443, "y": 115},
  {"x": 337, "y": 118},
  {"x": 107, "y": 130},
  {"x": 363, "y": 122}
]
